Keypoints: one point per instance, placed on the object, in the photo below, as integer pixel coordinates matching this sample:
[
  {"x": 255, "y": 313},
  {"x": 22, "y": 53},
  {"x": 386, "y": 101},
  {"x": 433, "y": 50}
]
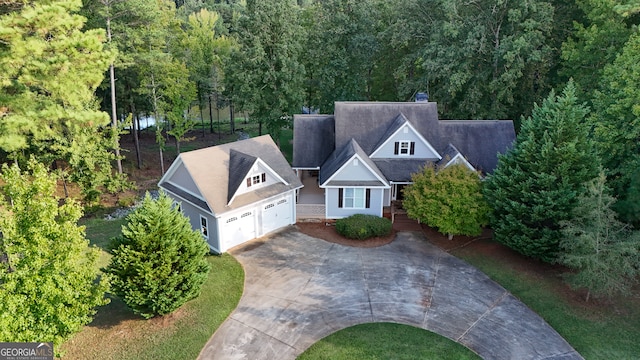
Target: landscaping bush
[
  {"x": 362, "y": 226},
  {"x": 159, "y": 262}
]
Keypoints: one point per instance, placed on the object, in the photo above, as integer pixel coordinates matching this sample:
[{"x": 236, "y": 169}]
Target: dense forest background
[{"x": 72, "y": 72}]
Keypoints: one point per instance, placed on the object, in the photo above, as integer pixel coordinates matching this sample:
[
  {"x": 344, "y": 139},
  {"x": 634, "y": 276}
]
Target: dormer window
[
  {"x": 256, "y": 179},
  {"x": 404, "y": 148}
]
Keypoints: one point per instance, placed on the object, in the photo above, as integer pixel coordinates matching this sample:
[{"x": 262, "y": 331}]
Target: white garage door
[
  {"x": 275, "y": 215},
  {"x": 238, "y": 229}
]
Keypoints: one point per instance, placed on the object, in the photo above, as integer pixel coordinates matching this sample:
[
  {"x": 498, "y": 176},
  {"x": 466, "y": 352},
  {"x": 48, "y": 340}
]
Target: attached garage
[
  {"x": 253, "y": 197},
  {"x": 276, "y": 214},
  {"x": 237, "y": 229}
]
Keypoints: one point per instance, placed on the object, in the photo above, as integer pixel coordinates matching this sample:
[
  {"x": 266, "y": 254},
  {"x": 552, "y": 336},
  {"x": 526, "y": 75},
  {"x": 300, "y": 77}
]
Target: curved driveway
[{"x": 299, "y": 289}]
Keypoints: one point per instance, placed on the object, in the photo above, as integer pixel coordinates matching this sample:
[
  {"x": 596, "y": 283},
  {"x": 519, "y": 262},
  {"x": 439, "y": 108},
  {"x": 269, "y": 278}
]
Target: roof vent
[{"x": 422, "y": 97}]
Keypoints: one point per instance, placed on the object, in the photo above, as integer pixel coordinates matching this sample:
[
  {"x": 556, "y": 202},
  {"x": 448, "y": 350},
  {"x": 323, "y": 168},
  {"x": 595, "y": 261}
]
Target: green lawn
[
  {"x": 608, "y": 329},
  {"x": 116, "y": 333},
  {"x": 386, "y": 341}
]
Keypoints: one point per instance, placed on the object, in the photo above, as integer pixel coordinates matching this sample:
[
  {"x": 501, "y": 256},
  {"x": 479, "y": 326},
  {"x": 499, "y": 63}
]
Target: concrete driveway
[{"x": 299, "y": 289}]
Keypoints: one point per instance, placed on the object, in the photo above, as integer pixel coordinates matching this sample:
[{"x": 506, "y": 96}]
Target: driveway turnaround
[{"x": 299, "y": 289}]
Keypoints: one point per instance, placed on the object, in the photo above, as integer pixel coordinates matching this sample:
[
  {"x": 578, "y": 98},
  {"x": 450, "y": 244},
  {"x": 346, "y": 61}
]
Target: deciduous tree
[
  {"x": 49, "y": 284},
  {"x": 448, "y": 199},
  {"x": 265, "y": 75}
]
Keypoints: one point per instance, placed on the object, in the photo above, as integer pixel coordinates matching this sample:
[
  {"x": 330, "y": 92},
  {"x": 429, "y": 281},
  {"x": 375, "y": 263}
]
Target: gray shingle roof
[
  {"x": 210, "y": 170},
  {"x": 341, "y": 156},
  {"x": 395, "y": 125},
  {"x": 239, "y": 165},
  {"x": 370, "y": 123},
  {"x": 400, "y": 170},
  {"x": 313, "y": 140}
]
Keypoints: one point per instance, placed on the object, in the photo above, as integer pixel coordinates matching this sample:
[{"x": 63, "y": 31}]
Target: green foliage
[
  {"x": 536, "y": 184},
  {"x": 602, "y": 250},
  {"x": 448, "y": 199},
  {"x": 478, "y": 59},
  {"x": 51, "y": 69},
  {"x": 49, "y": 284},
  {"x": 360, "y": 226},
  {"x": 160, "y": 262},
  {"x": 341, "y": 52},
  {"x": 616, "y": 122},
  {"x": 265, "y": 74},
  {"x": 594, "y": 44}
]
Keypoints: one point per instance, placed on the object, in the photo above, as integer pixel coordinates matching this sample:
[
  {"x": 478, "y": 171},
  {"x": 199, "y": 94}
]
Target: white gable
[
  {"x": 178, "y": 175},
  {"x": 406, "y": 142},
  {"x": 459, "y": 159},
  {"x": 355, "y": 170},
  {"x": 260, "y": 175}
]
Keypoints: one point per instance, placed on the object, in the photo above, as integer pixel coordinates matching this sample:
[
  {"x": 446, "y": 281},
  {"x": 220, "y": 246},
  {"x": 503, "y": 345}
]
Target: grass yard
[
  {"x": 604, "y": 329},
  {"x": 386, "y": 341},
  {"x": 116, "y": 333}
]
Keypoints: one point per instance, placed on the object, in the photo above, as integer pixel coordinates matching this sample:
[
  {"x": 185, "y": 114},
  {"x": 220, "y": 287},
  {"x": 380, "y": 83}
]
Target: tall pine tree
[{"x": 536, "y": 184}]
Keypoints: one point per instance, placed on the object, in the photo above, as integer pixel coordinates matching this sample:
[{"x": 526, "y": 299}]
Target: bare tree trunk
[
  {"x": 157, "y": 119},
  {"x": 232, "y": 118},
  {"x": 114, "y": 119},
  {"x": 136, "y": 140},
  {"x": 210, "y": 116}
]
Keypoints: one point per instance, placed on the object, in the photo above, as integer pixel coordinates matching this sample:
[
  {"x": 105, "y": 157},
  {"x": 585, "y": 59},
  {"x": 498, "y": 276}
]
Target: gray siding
[
  {"x": 182, "y": 178},
  {"x": 421, "y": 150},
  {"x": 334, "y": 212},
  {"x": 193, "y": 213},
  {"x": 351, "y": 172}
]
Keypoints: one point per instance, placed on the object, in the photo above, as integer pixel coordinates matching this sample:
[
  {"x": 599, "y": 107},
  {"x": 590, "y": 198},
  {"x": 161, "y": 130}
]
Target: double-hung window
[
  {"x": 354, "y": 198},
  {"x": 204, "y": 226},
  {"x": 404, "y": 148}
]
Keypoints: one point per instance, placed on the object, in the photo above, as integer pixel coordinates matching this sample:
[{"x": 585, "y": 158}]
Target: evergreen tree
[
  {"x": 536, "y": 184},
  {"x": 448, "y": 199},
  {"x": 603, "y": 251},
  {"x": 50, "y": 71},
  {"x": 616, "y": 122},
  {"x": 48, "y": 287},
  {"x": 159, "y": 262}
]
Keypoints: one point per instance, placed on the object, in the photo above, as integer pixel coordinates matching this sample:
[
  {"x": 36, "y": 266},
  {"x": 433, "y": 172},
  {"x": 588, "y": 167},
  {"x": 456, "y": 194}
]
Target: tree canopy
[
  {"x": 49, "y": 284},
  {"x": 448, "y": 199}
]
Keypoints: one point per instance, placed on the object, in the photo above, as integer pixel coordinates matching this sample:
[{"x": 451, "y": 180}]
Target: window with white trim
[
  {"x": 354, "y": 198},
  {"x": 204, "y": 226},
  {"x": 256, "y": 179}
]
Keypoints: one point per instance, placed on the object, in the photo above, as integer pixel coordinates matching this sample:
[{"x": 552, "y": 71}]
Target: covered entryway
[
  {"x": 237, "y": 229},
  {"x": 276, "y": 214}
]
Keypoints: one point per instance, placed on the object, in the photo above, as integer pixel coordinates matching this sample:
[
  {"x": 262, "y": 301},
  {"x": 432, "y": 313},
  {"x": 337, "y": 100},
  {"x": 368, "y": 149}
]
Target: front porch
[{"x": 310, "y": 199}]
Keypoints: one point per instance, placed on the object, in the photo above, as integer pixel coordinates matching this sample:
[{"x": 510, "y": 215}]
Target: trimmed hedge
[{"x": 362, "y": 226}]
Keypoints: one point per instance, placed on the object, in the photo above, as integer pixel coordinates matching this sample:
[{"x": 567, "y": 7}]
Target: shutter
[
  {"x": 340, "y": 192},
  {"x": 264, "y": 176},
  {"x": 396, "y": 149},
  {"x": 413, "y": 148},
  {"x": 248, "y": 182},
  {"x": 367, "y": 203}
]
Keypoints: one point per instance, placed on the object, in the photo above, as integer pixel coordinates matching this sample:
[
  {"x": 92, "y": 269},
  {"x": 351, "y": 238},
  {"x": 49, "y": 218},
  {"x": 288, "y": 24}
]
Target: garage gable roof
[
  {"x": 219, "y": 170},
  {"x": 239, "y": 165}
]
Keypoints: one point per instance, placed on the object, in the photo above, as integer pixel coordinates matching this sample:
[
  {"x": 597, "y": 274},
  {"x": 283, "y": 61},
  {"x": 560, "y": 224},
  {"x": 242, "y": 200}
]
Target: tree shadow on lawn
[{"x": 113, "y": 314}]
